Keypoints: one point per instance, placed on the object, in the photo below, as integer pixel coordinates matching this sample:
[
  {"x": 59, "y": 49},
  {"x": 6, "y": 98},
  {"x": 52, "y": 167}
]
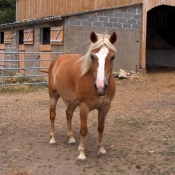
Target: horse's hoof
[
  {"x": 52, "y": 141},
  {"x": 101, "y": 155},
  {"x": 72, "y": 141},
  {"x": 80, "y": 161}
]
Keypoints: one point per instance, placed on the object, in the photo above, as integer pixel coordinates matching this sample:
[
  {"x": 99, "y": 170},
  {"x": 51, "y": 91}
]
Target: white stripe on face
[{"x": 103, "y": 52}]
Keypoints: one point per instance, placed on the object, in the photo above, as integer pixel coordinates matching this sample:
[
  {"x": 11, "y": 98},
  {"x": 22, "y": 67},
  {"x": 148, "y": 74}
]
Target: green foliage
[{"x": 7, "y": 11}]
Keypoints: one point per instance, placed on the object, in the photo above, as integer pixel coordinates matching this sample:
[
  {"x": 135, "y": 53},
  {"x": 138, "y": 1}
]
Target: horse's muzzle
[{"x": 101, "y": 91}]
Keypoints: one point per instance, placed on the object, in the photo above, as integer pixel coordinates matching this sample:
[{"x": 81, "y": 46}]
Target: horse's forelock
[{"x": 86, "y": 60}]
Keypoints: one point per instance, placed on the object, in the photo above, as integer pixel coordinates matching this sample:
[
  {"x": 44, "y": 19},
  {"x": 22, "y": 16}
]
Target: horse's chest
[{"x": 96, "y": 103}]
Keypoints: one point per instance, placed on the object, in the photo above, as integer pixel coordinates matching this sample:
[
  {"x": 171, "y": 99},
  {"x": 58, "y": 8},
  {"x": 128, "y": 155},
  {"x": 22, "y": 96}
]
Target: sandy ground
[{"x": 139, "y": 133}]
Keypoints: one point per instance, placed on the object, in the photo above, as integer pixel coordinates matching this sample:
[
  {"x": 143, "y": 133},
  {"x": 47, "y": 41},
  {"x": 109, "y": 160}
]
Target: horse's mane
[{"x": 86, "y": 60}]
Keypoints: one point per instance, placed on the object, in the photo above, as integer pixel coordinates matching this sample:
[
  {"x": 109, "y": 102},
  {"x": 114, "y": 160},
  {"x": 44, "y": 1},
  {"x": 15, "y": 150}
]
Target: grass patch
[{"x": 21, "y": 88}]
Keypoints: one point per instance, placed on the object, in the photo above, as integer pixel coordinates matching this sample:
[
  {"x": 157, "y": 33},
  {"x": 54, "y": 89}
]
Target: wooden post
[{"x": 143, "y": 36}]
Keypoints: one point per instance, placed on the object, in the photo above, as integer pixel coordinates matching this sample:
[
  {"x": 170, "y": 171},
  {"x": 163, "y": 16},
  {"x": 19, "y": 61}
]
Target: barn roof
[{"x": 31, "y": 21}]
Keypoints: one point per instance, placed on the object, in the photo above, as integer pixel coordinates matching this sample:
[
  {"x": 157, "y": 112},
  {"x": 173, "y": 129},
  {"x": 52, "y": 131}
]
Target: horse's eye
[
  {"x": 112, "y": 58},
  {"x": 92, "y": 57}
]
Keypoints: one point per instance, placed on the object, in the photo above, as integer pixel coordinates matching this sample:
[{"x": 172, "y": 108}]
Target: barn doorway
[{"x": 160, "y": 41}]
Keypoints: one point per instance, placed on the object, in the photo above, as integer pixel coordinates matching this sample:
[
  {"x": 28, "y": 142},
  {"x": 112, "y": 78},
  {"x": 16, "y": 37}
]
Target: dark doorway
[
  {"x": 21, "y": 37},
  {"x": 2, "y": 38},
  {"x": 45, "y": 35},
  {"x": 160, "y": 43}
]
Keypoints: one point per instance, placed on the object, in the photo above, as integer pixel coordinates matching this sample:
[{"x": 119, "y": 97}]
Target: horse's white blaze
[{"x": 103, "y": 52}]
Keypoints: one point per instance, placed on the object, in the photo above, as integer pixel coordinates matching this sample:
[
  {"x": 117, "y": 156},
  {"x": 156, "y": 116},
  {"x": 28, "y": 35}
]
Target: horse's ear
[
  {"x": 93, "y": 37},
  {"x": 113, "y": 38}
]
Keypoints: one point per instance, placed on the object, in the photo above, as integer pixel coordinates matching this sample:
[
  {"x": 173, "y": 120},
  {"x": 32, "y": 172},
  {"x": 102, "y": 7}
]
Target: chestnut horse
[{"x": 84, "y": 81}]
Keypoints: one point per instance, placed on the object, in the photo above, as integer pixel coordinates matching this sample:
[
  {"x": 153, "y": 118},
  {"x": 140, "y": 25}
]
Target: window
[
  {"x": 45, "y": 35},
  {"x": 21, "y": 37},
  {"x": 2, "y": 38}
]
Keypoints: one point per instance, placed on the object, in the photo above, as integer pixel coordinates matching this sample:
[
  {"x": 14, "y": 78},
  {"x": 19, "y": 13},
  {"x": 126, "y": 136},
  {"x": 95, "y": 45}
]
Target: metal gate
[{"x": 32, "y": 70}]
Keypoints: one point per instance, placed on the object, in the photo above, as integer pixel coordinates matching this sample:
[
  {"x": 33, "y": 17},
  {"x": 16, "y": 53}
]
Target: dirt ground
[{"x": 139, "y": 132}]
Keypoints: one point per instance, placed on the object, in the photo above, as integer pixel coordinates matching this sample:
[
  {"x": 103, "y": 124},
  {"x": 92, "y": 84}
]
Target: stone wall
[
  {"x": 126, "y": 23},
  {"x": 12, "y": 48},
  {"x": 127, "y": 18}
]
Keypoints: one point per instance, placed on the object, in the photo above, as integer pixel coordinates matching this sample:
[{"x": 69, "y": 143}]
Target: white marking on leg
[
  {"x": 81, "y": 156},
  {"x": 81, "y": 149},
  {"x": 103, "y": 52},
  {"x": 52, "y": 140},
  {"x": 71, "y": 140},
  {"x": 102, "y": 150}
]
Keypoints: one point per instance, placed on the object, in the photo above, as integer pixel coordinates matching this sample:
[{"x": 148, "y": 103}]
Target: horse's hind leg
[
  {"x": 69, "y": 114},
  {"x": 53, "y": 101}
]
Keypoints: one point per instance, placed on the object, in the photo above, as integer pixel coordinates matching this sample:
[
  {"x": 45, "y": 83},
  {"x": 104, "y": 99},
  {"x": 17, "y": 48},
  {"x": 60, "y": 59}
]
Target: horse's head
[{"x": 102, "y": 60}]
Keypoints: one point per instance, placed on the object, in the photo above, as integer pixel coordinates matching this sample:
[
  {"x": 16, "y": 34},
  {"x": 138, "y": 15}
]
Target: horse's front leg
[
  {"x": 83, "y": 132},
  {"x": 101, "y": 124}
]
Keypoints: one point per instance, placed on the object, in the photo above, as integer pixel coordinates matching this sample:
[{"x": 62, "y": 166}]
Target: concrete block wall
[
  {"x": 12, "y": 48},
  {"x": 125, "y": 21},
  {"x": 127, "y": 18},
  {"x": 33, "y": 48}
]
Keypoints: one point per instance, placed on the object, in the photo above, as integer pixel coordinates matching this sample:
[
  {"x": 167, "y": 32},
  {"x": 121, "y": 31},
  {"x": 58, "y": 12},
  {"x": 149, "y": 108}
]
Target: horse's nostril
[
  {"x": 95, "y": 87},
  {"x": 106, "y": 86},
  {"x": 102, "y": 89}
]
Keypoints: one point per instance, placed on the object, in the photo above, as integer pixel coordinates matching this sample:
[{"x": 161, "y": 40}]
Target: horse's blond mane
[{"x": 86, "y": 60}]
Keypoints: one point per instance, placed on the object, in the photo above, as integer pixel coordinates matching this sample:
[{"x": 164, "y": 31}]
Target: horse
[{"x": 84, "y": 81}]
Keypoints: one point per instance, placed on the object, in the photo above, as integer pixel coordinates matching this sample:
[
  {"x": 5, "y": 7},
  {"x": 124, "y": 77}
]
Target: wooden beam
[{"x": 143, "y": 37}]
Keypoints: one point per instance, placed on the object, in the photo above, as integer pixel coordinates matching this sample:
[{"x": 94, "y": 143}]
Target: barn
[{"x": 145, "y": 29}]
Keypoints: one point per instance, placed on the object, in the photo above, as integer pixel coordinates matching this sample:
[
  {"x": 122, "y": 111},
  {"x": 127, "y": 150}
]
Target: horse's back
[{"x": 63, "y": 72}]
